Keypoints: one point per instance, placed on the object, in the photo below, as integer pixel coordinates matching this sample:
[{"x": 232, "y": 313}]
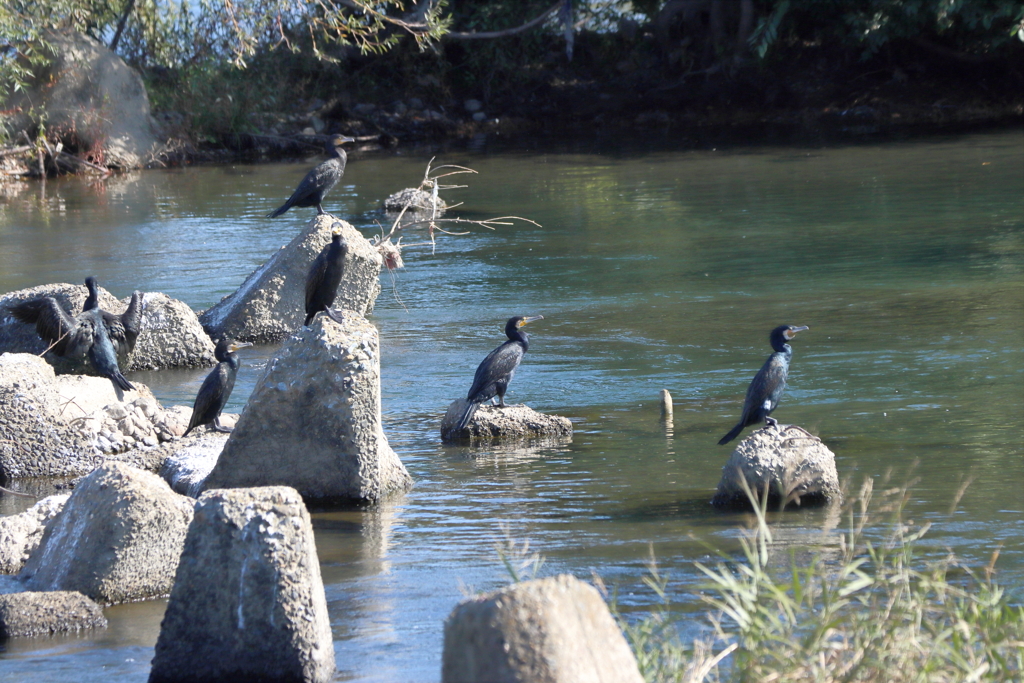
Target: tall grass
[{"x": 871, "y": 610}]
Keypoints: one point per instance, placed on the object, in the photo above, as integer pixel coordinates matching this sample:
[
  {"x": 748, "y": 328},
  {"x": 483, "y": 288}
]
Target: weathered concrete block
[
  {"x": 418, "y": 201},
  {"x": 313, "y": 422},
  {"x": 67, "y": 425},
  {"x": 555, "y": 630},
  {"x": 248, "y": 601},
  {"x": 20, "y": 534},
  {"x": 511, "y": 422},
  {"x": 31, "y": 613},
  {"x": 190, "y": 461},
  {"x": 170, "y": 334},
  {"x": 784, "y": 460},
  {"x": 117, "y": 539},
  {"x": 270, "y": 304}
]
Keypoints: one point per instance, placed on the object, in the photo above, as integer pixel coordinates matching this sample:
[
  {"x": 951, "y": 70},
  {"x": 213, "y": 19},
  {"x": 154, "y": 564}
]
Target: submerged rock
[
  {"x": 313, "y": 422},
  {"x": 170, "y": 335},
  {"x": 117, "y": 539},
  {"x": 511, "y": 422},
  {"x": 555, "y": 630},
  {"x": 416, "y": 199},
  {"x": 32, "y": 613},
  {"x": 248, "y": 601},
  {"x": 270, "y": 304},
  {"x": 20, "y": 534},
  {"x": 784, "y": 460}
]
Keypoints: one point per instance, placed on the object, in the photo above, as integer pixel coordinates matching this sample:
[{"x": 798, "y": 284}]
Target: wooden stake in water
[{"x": 666, "y": 405}]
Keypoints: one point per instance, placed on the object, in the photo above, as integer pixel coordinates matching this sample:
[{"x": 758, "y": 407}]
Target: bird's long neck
[
  {"x": 338, "y": 153},
  {"x": 521, "y": 337},
  {"x": 93, "y": 300},
  {"x": 783, "y": 352}
]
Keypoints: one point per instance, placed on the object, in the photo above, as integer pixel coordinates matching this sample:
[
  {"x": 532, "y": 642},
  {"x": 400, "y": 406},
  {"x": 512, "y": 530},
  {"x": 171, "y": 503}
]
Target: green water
[{"x": 655, "y": 269}]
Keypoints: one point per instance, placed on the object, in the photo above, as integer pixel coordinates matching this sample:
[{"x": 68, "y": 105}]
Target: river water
[{"x": 654, "y": 269}]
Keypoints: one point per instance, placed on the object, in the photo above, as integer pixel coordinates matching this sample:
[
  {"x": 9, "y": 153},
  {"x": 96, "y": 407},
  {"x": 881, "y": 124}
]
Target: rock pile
[
  {"x": 31, "y": 613},
  {"x": 67, "y": 425}
]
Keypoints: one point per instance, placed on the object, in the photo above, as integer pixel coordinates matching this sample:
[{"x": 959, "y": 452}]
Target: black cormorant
[
  {"x": 320, "y": 180},
  {"x": 217, "y": 386},
  {"x": 324, "y": 277},
  {"x": 765, "y": 390},
  {"x": 497, "y": 369},
  {"x": 97, "y": 334}
]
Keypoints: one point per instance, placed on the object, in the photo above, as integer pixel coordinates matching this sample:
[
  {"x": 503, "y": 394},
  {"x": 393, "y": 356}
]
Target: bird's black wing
[
  {"x": 211, "y": 398},
  {"x": 102, "y": 354},
  {"x": 317, "y": 271},
  {"x": 53, "y": 324},
  {"x": 766, "y": 389},
  {"x": 499, "y": 365}
]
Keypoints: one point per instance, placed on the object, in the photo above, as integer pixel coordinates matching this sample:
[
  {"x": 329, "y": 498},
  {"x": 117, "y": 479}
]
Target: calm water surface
[{"x": 654, "y": 269}]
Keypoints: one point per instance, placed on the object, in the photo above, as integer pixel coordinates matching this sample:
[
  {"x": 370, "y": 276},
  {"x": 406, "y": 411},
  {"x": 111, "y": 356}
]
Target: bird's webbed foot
[
  {"x": 771, "y": 422},
  {"x": 218, "y": 427},
  {"x": 334, "y": 315}
]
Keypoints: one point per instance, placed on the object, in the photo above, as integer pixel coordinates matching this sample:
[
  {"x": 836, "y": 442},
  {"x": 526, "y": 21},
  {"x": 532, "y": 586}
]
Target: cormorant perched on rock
[
  {"x": 765, "y": 390},
  {"x": 497, "y": 369},
  {"x": 217, "y": 386},
  {"x": 324, "y": 277},
  {"x": 95, "y": 333},
  {"x": 320, "y": 180}
]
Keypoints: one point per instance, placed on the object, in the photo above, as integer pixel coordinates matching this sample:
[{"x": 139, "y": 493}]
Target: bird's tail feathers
[
  {"x": 279, "y": 210},
  {"x": 467, "y": 415},
  {"x": 119, "y": 380},
  {"x": 733, "y": 433}
]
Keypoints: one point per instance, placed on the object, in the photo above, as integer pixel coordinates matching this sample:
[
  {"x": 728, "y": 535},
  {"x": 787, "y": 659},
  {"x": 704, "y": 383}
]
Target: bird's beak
[
  {"x": 791, "y": 332},
  {"x": 344, "y": 138},
  {"x": 530, "y": 319},
  {"x": 239, "y": 345}
]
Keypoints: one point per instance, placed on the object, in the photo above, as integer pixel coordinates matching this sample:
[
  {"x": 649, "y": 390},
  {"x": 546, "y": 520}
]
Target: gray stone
[
  {"x": 270, "y": 304},
  {"x": 473, "y": 105},
  {"x": 89, "y": 97},
  {"x": 313, "y": 421},
  {"x": 248, "y": 601},
  {"x": 31, "y": 613},
  {"x": 190, "y": 461},
  {"x": 20, "y": 534},
  {"x": 117, "y": 539},
  {"x": 170, "y": 334},
  {"x": 66, "y": 425},
  {"x": 417, "y": 200},
  {"x": 479, "y": 116},
  {"x": 785, "y": 459},
  {"x": 554, "y": 630},
  {"x": 511, "y": 422}
]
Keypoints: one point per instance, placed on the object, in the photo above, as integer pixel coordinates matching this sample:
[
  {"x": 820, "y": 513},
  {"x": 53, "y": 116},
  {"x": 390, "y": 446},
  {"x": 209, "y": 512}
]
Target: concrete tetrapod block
[
  {"x": 313, "y": 422},
  {"x": 31, "y": 613},
  {"x": 170, "y": 335},
  {"x": 20, "y": 534},
  {"x": 785, "y": 459},
  {"x": 271, "y": 303},
  {"x": 248, "y": 602},
  {"x": 511, "y": 422},
  {"x": 554, "y": 630},
  {"x": 117, "y": 539}
]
